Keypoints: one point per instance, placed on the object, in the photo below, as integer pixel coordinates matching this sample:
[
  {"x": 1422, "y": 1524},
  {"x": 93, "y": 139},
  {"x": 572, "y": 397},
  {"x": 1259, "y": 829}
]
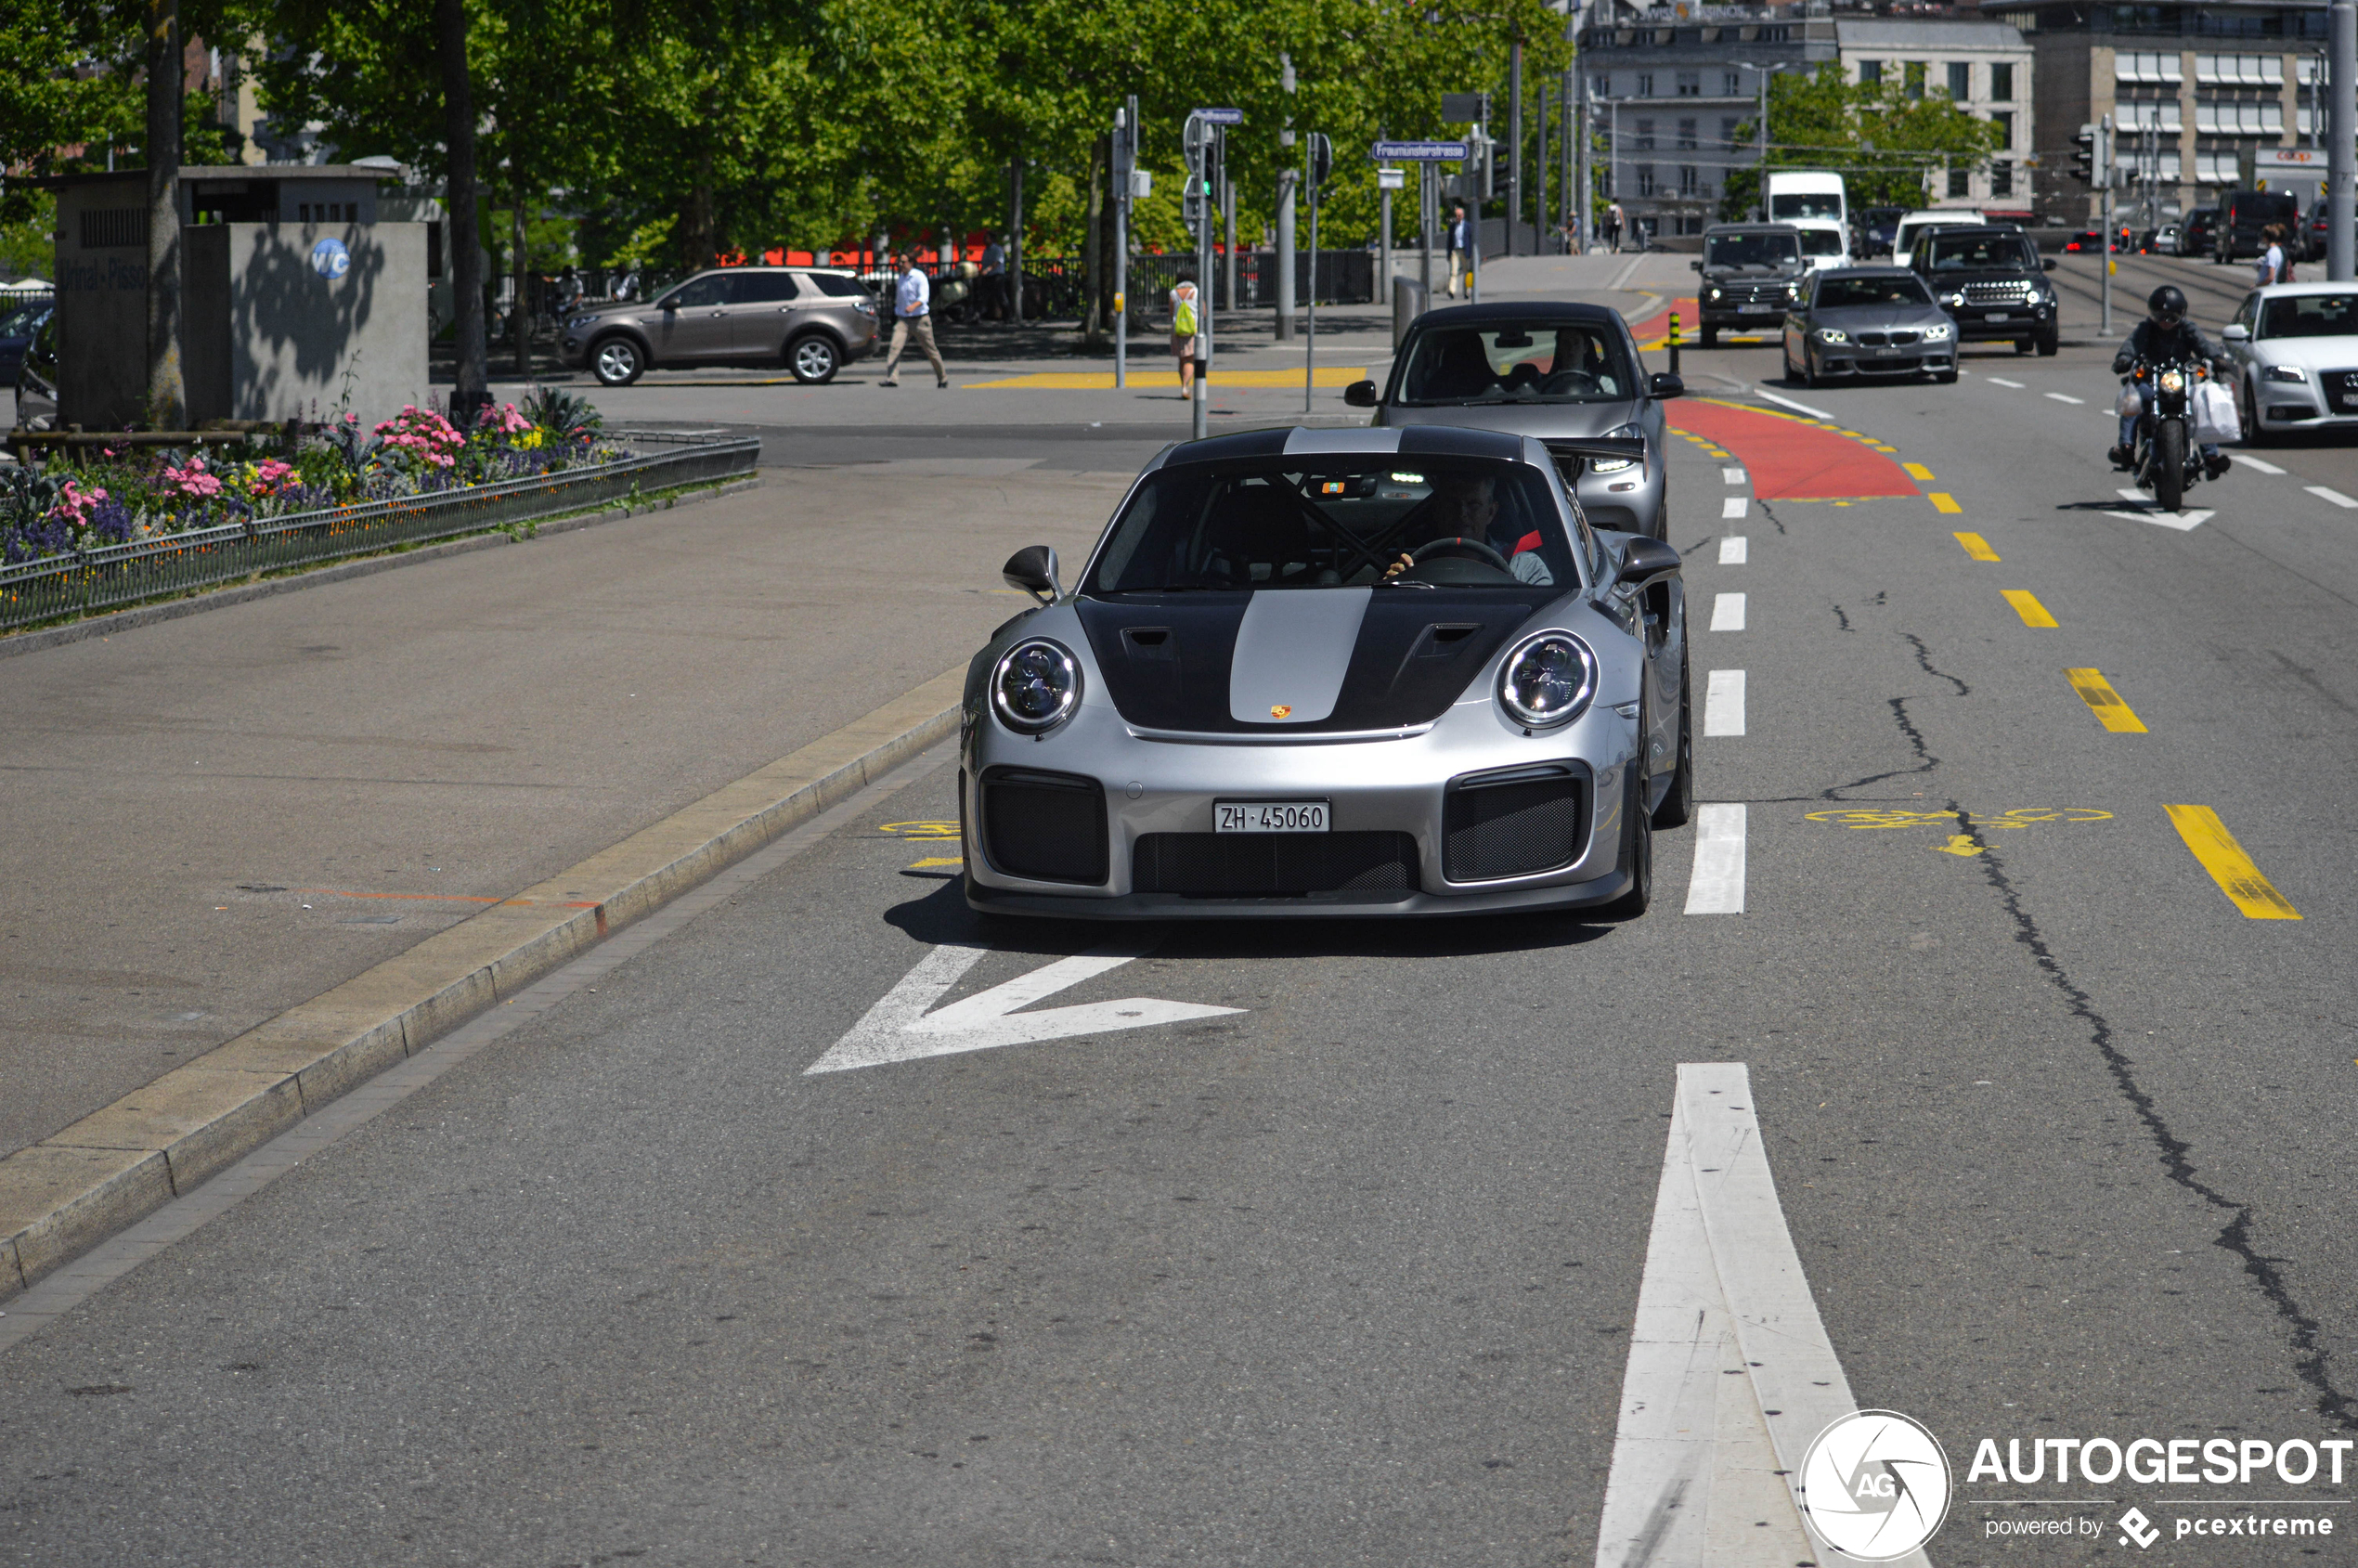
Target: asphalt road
[{"x": 1347, "y": 1276}]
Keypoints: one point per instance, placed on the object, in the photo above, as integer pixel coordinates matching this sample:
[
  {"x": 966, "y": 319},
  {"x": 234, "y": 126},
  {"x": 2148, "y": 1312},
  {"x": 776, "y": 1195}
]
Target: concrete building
[
  {"x": 2198, "y": 89},
  {"x": 1671, "y": 88}
]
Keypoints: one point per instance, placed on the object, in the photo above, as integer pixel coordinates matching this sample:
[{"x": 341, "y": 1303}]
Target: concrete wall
[{"x": 102, "y": 307}]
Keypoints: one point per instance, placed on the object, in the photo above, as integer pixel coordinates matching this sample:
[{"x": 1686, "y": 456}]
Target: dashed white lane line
[
  {"x": 2001, "y": 381},
  {"x": 1723, "y": 703},
  {"x": 1716, "y": 884},
  {"x": 1734, "y": 550},
  {"x": 1732, "y": 476},
  {"x": 1733, "y": 507},
  {"x": 2255, "y": 464},
  {"x": 2326, "y": 494},
  {"x": 1728, "y": 613},
  {"x": 2066, "y": 397}
]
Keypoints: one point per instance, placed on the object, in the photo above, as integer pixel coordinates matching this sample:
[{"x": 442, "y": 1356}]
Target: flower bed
[{"x": 84, "y": 502}]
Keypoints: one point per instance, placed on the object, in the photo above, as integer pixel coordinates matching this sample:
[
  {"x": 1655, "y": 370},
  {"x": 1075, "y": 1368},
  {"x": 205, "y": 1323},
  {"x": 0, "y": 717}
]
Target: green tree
[
  {"x": 68, "y": 95},
  {"x": 1888, "y": 145}
]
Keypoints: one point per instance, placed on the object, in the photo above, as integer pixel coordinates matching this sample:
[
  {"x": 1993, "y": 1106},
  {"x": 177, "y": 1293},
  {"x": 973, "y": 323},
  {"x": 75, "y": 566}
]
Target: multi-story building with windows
[{"x": 1988, "y": 68}]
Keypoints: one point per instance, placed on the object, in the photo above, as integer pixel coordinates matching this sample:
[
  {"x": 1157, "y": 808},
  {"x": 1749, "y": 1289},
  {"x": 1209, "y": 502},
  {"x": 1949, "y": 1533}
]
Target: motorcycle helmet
[{"x": 2167, "y": 306}]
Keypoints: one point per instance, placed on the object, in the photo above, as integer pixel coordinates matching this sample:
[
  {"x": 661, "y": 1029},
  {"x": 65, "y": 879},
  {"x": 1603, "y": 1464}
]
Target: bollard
[{"x": 1673, "y": 343}]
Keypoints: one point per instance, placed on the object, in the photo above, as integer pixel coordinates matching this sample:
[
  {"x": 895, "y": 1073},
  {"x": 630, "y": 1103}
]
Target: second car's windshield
[
  {"x": 1767, "y": 251},
  {"x": 1840, "y": 293},
  {"x": 2310, "y": 315},
  {"x": 1337, "y": 521},
  {"x": 1516, "y": 362},
  {"x": 1982, "y": 252}
]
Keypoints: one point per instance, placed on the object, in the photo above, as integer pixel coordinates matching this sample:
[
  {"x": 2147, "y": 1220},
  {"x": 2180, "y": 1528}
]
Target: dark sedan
[{"x": 1869, "y": 321}]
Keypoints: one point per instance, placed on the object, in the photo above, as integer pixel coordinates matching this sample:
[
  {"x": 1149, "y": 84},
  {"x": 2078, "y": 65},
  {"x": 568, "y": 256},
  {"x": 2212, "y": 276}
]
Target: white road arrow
[{"x": 898, "y": 1027}]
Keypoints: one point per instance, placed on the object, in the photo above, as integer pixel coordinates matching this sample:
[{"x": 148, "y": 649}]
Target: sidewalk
[{"x": 218, "y": 817}]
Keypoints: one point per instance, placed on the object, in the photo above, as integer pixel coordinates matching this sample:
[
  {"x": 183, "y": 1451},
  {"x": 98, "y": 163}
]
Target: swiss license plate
[
  {"x": 1761, "y": 310},
  {"x": 1269, "y": 816},
  {"x": 1993, "y": 315},
  {"x": 1890, "y": 353}
]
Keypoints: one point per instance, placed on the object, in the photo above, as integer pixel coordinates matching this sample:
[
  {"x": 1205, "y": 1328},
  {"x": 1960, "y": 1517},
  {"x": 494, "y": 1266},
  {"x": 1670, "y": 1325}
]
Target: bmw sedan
[
  {"x": 2294, "y": 349},
  {"x": 1322, "y": 672},
  {"x": 1869, "y": 321},
  {"x": 1557, "y": 372}
]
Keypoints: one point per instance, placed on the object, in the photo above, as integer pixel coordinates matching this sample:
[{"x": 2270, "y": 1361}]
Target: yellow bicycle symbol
[
  {"x": 921, "y": 830},
  {"x": 1960, "y": 844}
]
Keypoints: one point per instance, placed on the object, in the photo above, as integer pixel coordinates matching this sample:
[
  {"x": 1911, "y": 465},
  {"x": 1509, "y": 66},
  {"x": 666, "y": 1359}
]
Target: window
[
  {"x": 1600, "y": 86},
  {"x": 764, "y": 288},
  {"x": 2311, "y": 316},
  {"x": 1912, "y": 72},
  {"x": 1645, "y": 84},
  {"x": 711, "y": 289},
  {"x": 1686, "y": 136},
  {"x": 1727, "y": 131},
  {"x": 1871, "y": 73},
  {"x": 1960, "y": 182},
  {"x": 1843, "y": 293},
  {"x": 2002, "y": 179},
  {"x": 1645, "y": 138},
  {"x": 835, "y": 285},
  {"x": 1689, "y": 183},
  {"x": 1961, "y": 80},
  {"x": 1731, "y": 84},
  {"x": 2004, "y": 120},
  {"x": 1689, "y": 84},
  {"x": 2001, "y": 82},
  {"x": 1645, "y": 179}
]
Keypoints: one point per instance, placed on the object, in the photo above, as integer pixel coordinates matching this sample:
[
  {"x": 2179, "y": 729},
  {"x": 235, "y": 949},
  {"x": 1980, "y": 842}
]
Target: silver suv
[{"x": 815, "y": 321}]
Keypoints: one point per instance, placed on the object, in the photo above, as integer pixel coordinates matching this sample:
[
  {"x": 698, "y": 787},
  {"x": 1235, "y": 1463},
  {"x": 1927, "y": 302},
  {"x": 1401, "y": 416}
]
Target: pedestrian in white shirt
[
  {"x": 912, "y": 321},
  {"x": 2271, "y": 260}
]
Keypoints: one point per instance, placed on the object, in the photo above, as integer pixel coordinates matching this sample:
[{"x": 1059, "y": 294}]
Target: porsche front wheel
[
  {"x": 1638, "y": 848},
  {"x": 1678, "y": 801}
]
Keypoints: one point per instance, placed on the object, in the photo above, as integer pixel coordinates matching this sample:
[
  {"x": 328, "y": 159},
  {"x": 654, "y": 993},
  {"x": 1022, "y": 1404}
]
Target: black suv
[
  {"x": 1752, "y": 273},
  {"x": 1992, "y": 284}
]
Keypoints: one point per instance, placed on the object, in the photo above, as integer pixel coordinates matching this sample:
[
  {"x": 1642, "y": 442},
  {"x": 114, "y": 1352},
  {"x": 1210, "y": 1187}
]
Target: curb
[
  {"x": 69, "y": 1192},
  {"x": 221, "y": 598}
]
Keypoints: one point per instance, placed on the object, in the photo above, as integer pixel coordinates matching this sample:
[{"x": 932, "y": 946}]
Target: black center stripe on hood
[{"x": 1169, "y": 659}]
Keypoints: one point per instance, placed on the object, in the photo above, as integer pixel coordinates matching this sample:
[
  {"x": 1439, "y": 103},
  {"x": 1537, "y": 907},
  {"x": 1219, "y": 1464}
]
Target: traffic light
[
  {"x": 2083, "y": 155},
  {"x": 1322, "y": 158}
]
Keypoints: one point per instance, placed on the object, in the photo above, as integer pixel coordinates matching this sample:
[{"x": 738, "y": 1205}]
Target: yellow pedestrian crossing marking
[
  {"x": 2228, "y": 866},
  {"x": 1918, "y": 472},
  {"x": 1102, "y": 381},
  {"x": 1976, "y": 547},
  {"x": 1943, "y": 501},
  {"x": 2026, "y": 605},
  {"x": 2105, "y": 703}
]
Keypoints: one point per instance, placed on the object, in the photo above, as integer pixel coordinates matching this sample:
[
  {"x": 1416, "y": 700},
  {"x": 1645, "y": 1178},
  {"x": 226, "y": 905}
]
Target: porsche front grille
[
  {"x": 1515, "y": 824},
  {"x": 1264, "y": 865},
  {"x": 1046, "y": 827}
]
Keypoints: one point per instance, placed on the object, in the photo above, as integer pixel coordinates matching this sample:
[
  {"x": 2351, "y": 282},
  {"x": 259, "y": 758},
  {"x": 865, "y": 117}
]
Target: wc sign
[{"x": 330, "y": 260}]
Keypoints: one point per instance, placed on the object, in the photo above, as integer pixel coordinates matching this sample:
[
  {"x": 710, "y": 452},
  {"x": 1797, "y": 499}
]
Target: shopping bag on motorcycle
[
  {"x": 2132, "y": 403},
  {"x": 2216, "y": 417}
]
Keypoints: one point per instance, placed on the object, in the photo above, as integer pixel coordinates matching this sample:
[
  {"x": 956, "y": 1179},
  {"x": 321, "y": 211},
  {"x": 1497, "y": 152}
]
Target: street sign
[
  {"x": 1419, "y": 152},
  {"x": 1392, "y": 179},
  {"x": 1220, "y": 116}
]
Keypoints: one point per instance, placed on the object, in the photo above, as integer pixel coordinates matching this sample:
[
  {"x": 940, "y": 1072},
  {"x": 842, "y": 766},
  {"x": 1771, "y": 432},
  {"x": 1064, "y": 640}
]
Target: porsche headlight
[
  {"x": 2172, "y": 381},
  {"x": 1833, "y": 334},
  {"x": 1036, "y": 687},
  {"x": 2287, "y": 373},
  {"x": 1615, "y": 465},
  {"x": 1937, "y": 335},
  {"x": 1547, "y": 680}
]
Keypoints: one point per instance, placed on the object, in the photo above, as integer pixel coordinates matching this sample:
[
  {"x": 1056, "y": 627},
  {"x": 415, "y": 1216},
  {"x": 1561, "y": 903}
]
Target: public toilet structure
[{"x": 294, "y": 297}]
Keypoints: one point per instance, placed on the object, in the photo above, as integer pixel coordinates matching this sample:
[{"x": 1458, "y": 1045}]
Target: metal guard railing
[{"x": 125, "y": 573}]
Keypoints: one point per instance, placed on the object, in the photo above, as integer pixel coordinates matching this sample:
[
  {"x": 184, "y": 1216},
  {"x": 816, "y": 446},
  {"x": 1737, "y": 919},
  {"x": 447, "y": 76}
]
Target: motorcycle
[{"x": 2166, "y": 457}]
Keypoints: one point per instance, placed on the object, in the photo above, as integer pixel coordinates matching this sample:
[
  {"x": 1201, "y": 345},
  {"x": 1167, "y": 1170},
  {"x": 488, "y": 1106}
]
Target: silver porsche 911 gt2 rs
[{"x": 1326, "y": 672}]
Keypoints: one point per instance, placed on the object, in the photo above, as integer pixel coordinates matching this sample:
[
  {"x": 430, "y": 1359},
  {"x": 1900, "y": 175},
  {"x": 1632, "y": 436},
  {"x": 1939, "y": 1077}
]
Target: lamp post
[{"x": 1765, "y": 72}]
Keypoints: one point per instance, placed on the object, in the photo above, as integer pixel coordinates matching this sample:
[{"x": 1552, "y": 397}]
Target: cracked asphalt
[{"x": 1347, "y": 1277}]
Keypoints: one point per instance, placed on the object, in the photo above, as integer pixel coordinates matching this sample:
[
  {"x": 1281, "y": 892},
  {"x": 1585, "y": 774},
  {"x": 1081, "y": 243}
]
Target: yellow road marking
[
  {"x": 1102, "y": 381},
  {"x": 2026, "y": 605},
  {"x": 1960, "y": 844},
  {"x": 1918, "y": 472},
  {"x": 2105, "y": 703},
  {"x": 1976, "y": 547},
  {"x": 2228, "y": 866},
  {"x": 1943, "y": 501},
  {"x": 937, "y": 859}
]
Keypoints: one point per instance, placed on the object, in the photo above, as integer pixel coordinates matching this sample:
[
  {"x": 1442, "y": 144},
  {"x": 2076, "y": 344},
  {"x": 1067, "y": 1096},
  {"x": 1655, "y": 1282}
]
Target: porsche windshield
[
  {"x": 1338, "y": 521},
  {"x": 1517, "y": 362}
]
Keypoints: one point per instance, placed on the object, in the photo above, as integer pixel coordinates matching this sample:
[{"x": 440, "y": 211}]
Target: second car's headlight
[
  {"x": 2287, "y": 373},
  {"x": 1036, "y": 687},
  {"x": 1937, "y": 335},
  {"x": 1615, "y": 465},
  {"x": 1833, "y": 334},
  {"x": 1547, "y": 680}
]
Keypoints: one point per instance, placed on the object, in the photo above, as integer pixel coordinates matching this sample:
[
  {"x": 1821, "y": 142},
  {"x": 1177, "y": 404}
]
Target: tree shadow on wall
[{"x": 290, "y": 319}]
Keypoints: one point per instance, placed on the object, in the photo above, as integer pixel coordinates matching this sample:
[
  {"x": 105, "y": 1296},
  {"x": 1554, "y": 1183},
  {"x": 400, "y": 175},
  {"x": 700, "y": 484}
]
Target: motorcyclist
[{"x": 2165, "y": 333}]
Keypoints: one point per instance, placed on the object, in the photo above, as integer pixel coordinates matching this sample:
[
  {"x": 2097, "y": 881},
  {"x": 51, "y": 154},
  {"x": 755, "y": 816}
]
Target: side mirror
[
  {"x": 2047, "y": 263},
  {"x": 1033, "y": 569},
  {"x": 1362, "y": 395},
  {"x": 1644, "y": 561},
  {"x": 1695, "y": 265},
  {"x": 2236, "y": 332},
  {"x": 1663, "y": 385}
]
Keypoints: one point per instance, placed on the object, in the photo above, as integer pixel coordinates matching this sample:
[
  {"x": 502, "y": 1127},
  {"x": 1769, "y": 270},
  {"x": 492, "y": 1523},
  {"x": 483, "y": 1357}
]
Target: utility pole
[
  {"x": 1197, "y": 142},
  {"x": 1285, "y": 210},
  {"x": 1427, "y": 202},
  {"x": 1125, "y": 164},
  {"x": 1764, "y": 73},
  {"x": 472, "y": 394},
  {"x": 2343, "y": 83},
  {"x": 1583, "y": 181},
  {"x": 167, "y": 388},
  {"x": 1015, "y": 234},
  {"x": 1539, "y": 179},
  {"x": 2104, "y": 174},
  {"x": 1318, "y": 160},
  {"x": 1514, "y": 134},
  {"x": 1228, "y": 215}
]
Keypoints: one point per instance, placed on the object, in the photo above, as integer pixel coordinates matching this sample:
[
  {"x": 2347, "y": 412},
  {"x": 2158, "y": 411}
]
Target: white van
[
  {"x": 1904, "y": 238},
  {"x": 1813, "y": 201}
]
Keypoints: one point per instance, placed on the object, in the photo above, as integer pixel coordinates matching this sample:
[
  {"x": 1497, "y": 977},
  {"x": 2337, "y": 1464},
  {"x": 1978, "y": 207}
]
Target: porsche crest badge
[{"x": 1280, "y": 710}]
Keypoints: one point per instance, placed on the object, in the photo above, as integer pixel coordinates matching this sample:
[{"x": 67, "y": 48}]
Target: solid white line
[
  {"x": 1733, "y": 507},
  {"x": 1789, "y": 402},
  {"x": 2254, "y": 463},
  {"x": 1625, "y": 273},
  {"x": 1734, "y": 550},
  {"x": 2001, "y": 381},
  {"x": 1723, "y": 703},
  {"x": 2324, "y": 494},
  {"x": 1732, "y": 476},
  {"x": 2065, "y": 398},
  {"x": 1716, "y": 884},
  {"x": 1728, "y": 613}
]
